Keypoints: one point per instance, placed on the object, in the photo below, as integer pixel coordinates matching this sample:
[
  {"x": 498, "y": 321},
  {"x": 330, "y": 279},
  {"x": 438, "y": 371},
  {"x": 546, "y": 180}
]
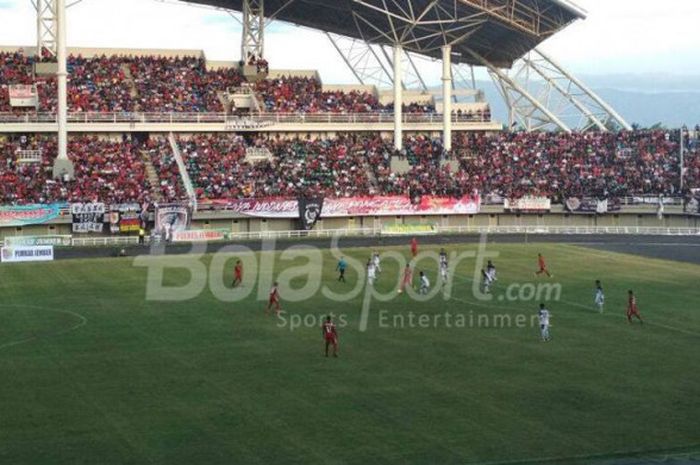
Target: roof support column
[
  {"x": 253, "y": 40},
  {"x": 398, "y": 99},
  {"x": 447, "y": 97},
  {"x": 62, "y": 166}
]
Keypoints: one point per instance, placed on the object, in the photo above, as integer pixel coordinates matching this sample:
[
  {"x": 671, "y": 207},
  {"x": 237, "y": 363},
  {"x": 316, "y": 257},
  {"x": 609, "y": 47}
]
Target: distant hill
[{"x": 646, "y": 100}]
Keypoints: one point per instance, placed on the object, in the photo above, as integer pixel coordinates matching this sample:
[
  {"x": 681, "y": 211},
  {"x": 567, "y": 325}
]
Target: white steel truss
[
  {"x": 414, "y": 28},
  {"x": 363, "y": 59},
  {"x": 464, "y": 84},
  {"x": 253, "y": 40},
  {"x": 541, "y": 94},
  {"x": 523, "y": 108},
  {"x": 371, "y": 64},
  {"x": 46, "y": 27},
  {"x": 575, "y": 97},
  {"x": 412, "y": 78}
]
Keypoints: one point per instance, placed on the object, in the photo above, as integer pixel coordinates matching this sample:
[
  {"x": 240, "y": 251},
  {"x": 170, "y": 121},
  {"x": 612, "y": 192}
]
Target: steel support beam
[
  {"x": 577, "y": 92},
  {"x": 253, "y": 40},
  {"x": 447, "y": 97},
  {"x": 398, "y": 99},
  {"x": 46, "y": 27},
  {"x": 541, "y": 94},
  {"x": 363, "y": 61},
  {"x": 524, "y": 108},
  {"x": 413, "y": 26},
  {"x": 62, "y": 166}
]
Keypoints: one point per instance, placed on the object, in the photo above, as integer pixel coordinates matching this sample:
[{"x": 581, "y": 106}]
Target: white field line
[{"x": 82, "y": 322}]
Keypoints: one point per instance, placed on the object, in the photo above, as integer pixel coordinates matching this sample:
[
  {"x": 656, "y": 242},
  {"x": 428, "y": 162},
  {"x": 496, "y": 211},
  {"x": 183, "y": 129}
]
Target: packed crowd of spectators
[
  {"x": 561, "y": 165},
  {"x": 105, "y": 170},
  {"x": 306, "y": 95},
  {"x": 159, "y": 84},
  {"x": 124, "y": 83},
  {"x": 508, "y": 165},
  {"x": 505, "y": 165},
  {"x": 260, "y": 63},
  {"x": 218, "y": 168}
]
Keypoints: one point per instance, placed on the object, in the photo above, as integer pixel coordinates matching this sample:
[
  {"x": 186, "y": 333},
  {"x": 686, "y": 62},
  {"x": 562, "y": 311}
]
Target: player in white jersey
[
  {"x": 443, "y": 256},
  {"x": 543, "y": 316},
  {"x": 491, "y": 271},
  {"x": 377, "y": 262},
  {"x": 599, "y": 296},
  {"x": 424, "y": 284},
  {"x": 444, "y": 266},
  {"x": 371, "y": 272}
]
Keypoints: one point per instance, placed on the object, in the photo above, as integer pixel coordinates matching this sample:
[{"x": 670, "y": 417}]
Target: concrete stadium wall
[
  {"x": 244, "y": 225},
  {"x": 350, "y": 88}
]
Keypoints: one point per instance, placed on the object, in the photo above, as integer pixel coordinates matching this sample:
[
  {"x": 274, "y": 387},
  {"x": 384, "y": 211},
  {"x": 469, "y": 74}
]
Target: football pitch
[{"x": 94, "y": 372}]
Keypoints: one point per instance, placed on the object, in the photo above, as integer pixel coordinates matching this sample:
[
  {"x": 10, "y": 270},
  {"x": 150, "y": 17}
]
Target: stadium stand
[
  {"x": 156, "y": 84},
  {"x": 106, "y": 170},
  {"x": 512, "y": 165}
]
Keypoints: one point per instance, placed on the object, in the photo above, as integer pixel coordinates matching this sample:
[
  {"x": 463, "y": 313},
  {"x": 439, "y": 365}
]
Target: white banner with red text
[
  {"x": 350, "y": 206},
  {"x": 528, "y": 204}
]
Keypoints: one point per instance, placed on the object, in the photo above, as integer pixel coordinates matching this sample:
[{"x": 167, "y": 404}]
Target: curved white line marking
[{"x": 82, "y": 322}]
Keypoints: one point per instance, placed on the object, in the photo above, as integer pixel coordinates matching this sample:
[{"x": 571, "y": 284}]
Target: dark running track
[{"x": 679, "y": 248}]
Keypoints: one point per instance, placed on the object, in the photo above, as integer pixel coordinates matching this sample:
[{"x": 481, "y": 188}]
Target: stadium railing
[
  {"x": 463, "y": 230},
  {"x": 104, "y": 241},
  {"x": 337, "y": 118}
]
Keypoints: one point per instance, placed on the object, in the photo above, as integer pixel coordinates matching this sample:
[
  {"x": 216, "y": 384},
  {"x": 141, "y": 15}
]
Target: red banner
[{"x": 352, "y": 206}]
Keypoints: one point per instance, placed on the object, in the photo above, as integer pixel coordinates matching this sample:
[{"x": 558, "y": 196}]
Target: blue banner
[{"x": 22, "y": 215}]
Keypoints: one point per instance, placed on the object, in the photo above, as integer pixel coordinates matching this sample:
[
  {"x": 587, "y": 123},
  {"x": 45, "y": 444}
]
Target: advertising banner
[
  {"x": 353, "y": 206},
  {"x": 88, "y": 217},
  {"x": 409, "y": 229},
  {"x": 30, "y": 214},
  {"x": 199, "y": 235},
  {"x": 592, "y": 206},
  {"x": 26, "y": 254},
  {"x": 24, "y": 96},
  {"x": 33, "y": 241},
  {"x": 528, "y": 204}
]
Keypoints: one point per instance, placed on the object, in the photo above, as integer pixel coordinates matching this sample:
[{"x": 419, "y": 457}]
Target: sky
[{"x": 618, "y": 37}]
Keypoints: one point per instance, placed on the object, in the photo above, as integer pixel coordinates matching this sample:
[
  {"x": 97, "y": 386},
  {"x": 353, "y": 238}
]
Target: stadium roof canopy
[{"x": 501, "y": 31}]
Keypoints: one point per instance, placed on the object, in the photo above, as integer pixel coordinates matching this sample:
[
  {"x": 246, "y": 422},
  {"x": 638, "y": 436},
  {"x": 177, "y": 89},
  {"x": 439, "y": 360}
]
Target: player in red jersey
[
  {"x": 330, "y": 335},
  {"x": 274, "y": 299},
  {"x": 407, "y": 279},
  {"x": 543, "y": 266},
  {"x": 237, "y": 274},
  {"x": 632, "y": 309},
  {"x": 414, "y": 246}
]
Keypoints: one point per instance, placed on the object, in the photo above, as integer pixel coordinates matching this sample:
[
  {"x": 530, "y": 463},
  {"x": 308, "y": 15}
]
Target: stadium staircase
[
  {"x": 184, "y": 175},
  {"x": 153, "y": 178},
  {"x": 133, "y": 92},
  {"x": 371, "y": 174}
]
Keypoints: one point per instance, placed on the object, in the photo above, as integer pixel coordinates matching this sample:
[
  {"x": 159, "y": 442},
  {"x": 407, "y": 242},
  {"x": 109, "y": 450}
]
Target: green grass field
[{"x": 94, "y": 373}]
